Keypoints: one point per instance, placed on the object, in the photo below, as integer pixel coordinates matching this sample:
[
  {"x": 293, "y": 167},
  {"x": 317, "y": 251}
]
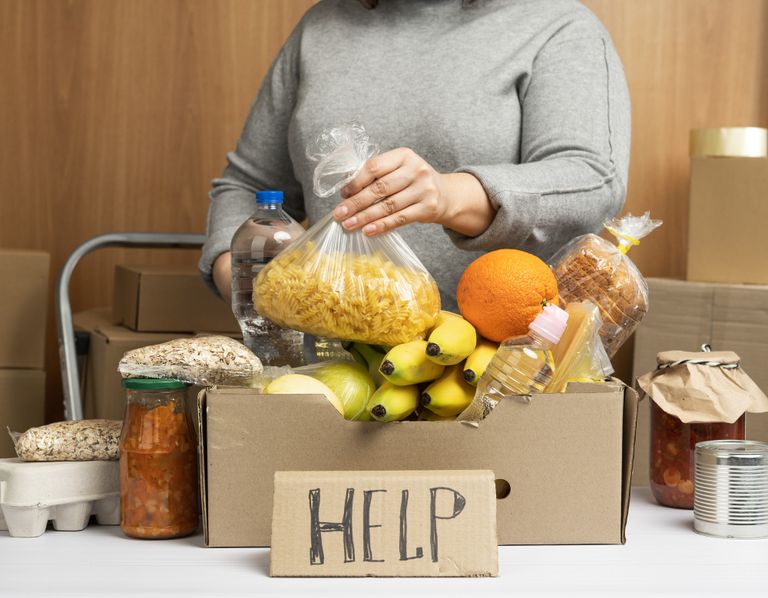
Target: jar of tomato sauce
[
  {"x": 672, "y": 450},
  {"x": 158, "y": 461}
]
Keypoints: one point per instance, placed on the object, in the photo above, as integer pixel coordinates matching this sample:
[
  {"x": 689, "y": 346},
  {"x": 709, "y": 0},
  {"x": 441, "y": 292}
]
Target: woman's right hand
[{"x": 222, "y": 275}]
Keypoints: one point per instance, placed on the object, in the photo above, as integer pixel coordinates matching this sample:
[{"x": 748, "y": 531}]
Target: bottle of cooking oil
[{"x": 523, "y": 365}]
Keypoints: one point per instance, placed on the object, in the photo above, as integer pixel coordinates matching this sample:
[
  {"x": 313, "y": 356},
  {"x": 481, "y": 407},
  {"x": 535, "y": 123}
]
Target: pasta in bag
[{"x": 344, "y": 285}]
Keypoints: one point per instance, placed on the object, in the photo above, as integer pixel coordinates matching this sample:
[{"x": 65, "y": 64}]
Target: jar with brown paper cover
[{"x": 694, "y": 397}]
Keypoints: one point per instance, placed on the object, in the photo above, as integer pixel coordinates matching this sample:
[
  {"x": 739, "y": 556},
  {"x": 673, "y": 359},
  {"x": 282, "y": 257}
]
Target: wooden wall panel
[
  {"x": 689, "y": 64},
  {"x": 115, "y": 114}
]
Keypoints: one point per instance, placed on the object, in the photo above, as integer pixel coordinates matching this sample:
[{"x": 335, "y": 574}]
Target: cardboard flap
[
  {"x": 384, "y": 523},
  {"x": 202, "y": 462},
  {"x": 631, "y": 402}
]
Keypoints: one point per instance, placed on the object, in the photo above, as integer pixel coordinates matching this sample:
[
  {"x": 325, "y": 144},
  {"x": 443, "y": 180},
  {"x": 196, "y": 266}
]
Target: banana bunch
[{"x": 429, "y": 380}]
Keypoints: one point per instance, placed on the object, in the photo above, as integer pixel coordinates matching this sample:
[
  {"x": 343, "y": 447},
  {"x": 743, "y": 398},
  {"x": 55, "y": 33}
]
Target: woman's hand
[
  {"x": 222, "y": 275},
  {"x": 399, "y": 187}
]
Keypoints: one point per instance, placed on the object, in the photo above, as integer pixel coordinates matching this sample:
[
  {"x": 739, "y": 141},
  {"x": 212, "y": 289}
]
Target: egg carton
[{"x": 66, "y": 492}]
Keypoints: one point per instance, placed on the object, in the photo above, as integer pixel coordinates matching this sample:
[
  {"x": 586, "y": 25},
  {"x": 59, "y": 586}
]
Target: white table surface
[{"x": 663, "y": 557}]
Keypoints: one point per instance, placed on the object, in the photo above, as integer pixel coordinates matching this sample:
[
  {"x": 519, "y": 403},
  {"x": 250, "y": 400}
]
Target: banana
[
  {"x": 449, "y": 395},
  {"x": 357, "y": 356},
  {"x": 427, "y": 416},
  {"x": 364, "y": 416},
  {"x": 408, "y": 364},
  {"x": 452, "y": 341},
  {"x": 442, "y": 317},
  {"x": 373, "y": 359},
  {"x": 478, "y": 360},
  {"x": 390, "y": 402}
]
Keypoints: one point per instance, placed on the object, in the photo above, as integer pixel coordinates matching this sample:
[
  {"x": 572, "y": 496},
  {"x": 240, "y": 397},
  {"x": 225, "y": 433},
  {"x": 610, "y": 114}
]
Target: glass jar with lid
[
  {"x": 158, "y": 461},
  {"x": 694, "y": 397}
]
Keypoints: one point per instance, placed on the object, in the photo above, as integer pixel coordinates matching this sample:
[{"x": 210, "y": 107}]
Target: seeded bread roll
[
  {"x": 592, "y": 269},
  {"x": 202, "y": 360},
  {"x": 84, "y": 440}
]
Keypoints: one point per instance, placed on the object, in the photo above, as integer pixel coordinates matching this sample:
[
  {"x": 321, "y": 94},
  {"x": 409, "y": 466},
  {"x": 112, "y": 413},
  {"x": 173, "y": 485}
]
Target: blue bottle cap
[{"x": 269, "y": 196}]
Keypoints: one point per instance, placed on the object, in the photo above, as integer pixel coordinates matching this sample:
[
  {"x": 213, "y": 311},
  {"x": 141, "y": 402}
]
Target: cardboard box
[
  {"x": 685, "y": 315},
  {"x": 23, "y": 308},
  {"x": 22, "y": 404},
  {"x": 728, "y": 210},
  {"x": 384, "y": 524},
  {"x": 566, "y": 459},
  {"x": 168, "y": 299},
  {"x": 103, "y": 394}
]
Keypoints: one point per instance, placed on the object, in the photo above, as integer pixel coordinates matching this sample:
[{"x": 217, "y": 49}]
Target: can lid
[
  {"x": 269, "y": 196},
  {"x": 153, "y": 384},
  {"x": 732, "y": 452}
]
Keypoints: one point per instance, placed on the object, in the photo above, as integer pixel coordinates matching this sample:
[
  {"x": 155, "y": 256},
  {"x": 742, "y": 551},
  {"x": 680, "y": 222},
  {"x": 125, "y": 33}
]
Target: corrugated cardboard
[
  {"x": 168, "y": 299},
  {"x": 683, "y": 316},
  {"x": 567, "y": 458},
  {"x": 103, "y": 395},
  {"x": 384, "y": 524},
  {"x": 23, "y": 305},
  {"x": 727, "y": 215},
  {"x": 22, "y": 404}
]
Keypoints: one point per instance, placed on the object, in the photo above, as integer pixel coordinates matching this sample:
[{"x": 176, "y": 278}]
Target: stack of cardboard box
[
  {"x": 724, "y": 301},
  {"x": 151, "y": 305},
  {"x": 23, "y": 305}
]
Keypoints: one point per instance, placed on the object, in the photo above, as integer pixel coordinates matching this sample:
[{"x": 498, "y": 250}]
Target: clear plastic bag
[
  {"x": 202, "y": 360},
  {"x": 579, "y": 356},
  {"x": 344, "y": 285},
  {"x": 589, "y": 268}
]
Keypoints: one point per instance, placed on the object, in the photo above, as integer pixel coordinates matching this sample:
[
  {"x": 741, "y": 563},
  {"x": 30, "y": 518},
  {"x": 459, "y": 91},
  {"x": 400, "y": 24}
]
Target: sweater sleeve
[
  {"x": 574, "y": 152},
  {"x": 261, "y": 159}
]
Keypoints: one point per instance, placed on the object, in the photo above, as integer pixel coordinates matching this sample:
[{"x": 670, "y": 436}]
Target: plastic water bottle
[
  {"x": 260, "y": 238},
  {"x": 523, "y": 365}
]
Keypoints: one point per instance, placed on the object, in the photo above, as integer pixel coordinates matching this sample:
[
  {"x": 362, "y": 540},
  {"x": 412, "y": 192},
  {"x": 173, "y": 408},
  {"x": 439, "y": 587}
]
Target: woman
[{"x": 502, "y": 123}]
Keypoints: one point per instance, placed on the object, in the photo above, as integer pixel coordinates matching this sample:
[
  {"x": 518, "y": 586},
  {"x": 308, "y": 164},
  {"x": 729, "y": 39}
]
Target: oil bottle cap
[
  {"x": 550, "y": 323},
  {"x": 269, "y": 196}
]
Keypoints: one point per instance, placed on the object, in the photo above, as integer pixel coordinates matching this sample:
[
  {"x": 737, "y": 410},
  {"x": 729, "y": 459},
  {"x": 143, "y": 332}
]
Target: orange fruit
[{"x": 501, "y": 292}]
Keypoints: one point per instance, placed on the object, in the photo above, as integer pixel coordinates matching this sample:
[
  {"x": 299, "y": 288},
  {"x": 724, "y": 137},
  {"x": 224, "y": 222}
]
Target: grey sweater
[{"x": 529, "y": 96}]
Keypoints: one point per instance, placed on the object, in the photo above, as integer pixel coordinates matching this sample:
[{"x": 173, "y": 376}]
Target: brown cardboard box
[
  {"x": 22, "y": 403},
  {"x": 566, "y": 457},
  {"x": 684, "y": 315},
  {"x": 168, "y": 299},
  {"x": 727, "y": 241},
  {"x": 23, "y": 307},
  {"x": 103, "y": 395}
]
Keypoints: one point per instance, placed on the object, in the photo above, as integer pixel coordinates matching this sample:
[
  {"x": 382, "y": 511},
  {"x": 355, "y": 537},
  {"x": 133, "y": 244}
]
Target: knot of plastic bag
[{"x": 340, "y": 152}]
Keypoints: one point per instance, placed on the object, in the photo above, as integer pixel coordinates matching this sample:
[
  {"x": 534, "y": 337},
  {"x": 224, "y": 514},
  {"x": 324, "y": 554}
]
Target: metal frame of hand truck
[{"x": 73, "y": 405}]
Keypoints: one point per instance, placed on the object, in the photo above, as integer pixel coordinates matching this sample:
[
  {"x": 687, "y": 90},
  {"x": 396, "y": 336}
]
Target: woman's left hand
[{"x": 393, "y": 189}]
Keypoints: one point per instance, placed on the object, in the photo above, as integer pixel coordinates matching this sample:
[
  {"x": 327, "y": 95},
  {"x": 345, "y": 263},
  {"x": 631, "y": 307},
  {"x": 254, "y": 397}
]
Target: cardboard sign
[{"x": 384, "y": 524}]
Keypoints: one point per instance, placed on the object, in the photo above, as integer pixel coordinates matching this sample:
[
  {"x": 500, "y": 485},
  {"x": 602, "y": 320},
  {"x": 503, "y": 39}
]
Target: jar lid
[{"x": 153, "y": 384}]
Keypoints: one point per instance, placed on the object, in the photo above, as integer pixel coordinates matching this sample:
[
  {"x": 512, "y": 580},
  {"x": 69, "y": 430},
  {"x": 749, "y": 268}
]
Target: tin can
[{"x": 731, "y": 489}]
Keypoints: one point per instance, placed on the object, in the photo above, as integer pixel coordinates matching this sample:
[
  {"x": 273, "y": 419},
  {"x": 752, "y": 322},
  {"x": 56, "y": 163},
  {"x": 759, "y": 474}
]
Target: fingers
[
  {"x": 375, "y": 168},
  {"x": 380, "y": 189},
  {"x": 386, "y": 207},
  {"x": 413, "y": 213}
]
